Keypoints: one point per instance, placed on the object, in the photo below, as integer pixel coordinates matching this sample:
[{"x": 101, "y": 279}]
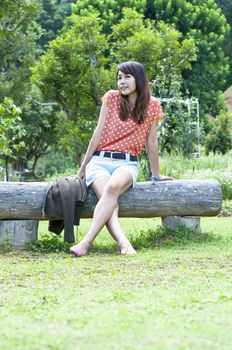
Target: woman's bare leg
[
  {"x": 118, "y": 183},
  {"x": 113, "y": 225}
]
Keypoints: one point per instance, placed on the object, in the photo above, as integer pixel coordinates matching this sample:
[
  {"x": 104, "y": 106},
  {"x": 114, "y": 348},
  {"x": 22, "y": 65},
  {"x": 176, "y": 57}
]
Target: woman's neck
[{"x": 132, "y": 98}]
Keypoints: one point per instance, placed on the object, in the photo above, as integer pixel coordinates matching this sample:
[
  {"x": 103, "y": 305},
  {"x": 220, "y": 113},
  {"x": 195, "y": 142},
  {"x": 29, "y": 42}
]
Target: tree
[
  {"x": 164, "y": 53},
  {"x": 11, "y": 131},
  {"x": 75, "y": 73},
  {"x": 44, "y": 124},
  {"x": 200, "y": 20},
  {"x": 226, "y": 7},
  {"x": 219, "y": 139},
  {"x": 110, "y": 11},
  {"x": 72, "y": 73},
  {"x": 18, "y": 34},
  {"x": 51, "y": 19},
  {"x": 203, "y": 21}
]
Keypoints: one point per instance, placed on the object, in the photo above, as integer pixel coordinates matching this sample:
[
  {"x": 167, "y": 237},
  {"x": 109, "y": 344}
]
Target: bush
[{"x": 219, "y": 140}]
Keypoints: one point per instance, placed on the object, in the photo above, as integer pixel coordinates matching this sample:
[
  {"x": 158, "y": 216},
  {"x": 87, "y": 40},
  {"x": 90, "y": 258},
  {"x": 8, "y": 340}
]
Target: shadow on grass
[{"x": 158, "y": 238}]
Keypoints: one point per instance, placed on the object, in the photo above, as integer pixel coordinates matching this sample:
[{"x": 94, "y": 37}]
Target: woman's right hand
[{"x": 81, "y": 172}]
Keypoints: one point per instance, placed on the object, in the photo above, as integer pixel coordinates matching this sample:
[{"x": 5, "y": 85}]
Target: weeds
[
  {"x": 146, "y": 239},
  {"x": 48, "y": 244},
  {"x": 5, "y": 247},
  {"x": 167, "y": 237},
  {"x": 216, "y": 167}
]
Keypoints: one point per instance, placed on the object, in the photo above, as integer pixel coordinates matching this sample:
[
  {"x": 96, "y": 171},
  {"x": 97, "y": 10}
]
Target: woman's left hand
[{"x": 161, "y": 178}]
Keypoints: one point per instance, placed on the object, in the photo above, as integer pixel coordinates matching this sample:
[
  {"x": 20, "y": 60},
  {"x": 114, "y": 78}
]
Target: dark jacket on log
[{"x": 65, "y": 199}]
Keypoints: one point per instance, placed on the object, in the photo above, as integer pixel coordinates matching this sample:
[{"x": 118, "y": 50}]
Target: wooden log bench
[{"x": 176, "y": 202}]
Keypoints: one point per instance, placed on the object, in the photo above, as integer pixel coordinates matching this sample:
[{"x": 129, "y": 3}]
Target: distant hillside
[{"x": 228, "y": 96}]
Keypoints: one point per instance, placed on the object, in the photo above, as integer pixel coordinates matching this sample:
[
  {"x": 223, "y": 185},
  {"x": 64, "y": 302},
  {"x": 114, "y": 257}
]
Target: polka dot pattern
[{"x": 126, "y": 136}]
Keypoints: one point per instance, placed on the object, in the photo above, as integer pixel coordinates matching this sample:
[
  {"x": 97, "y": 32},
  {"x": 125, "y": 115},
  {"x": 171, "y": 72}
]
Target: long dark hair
[{"x": 142, "y": 87}]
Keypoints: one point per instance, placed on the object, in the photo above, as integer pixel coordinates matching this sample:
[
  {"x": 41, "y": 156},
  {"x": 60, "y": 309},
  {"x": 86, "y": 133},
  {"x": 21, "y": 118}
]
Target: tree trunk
[
  {"x": 18, "y": 232},
  {"x": 20, "y": 200}
]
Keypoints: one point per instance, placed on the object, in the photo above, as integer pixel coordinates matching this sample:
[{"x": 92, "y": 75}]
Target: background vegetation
[{"x": 57, "y": 58}]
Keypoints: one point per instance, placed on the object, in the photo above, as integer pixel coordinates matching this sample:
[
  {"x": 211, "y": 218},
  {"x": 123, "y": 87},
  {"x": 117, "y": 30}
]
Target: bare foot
[
  {"x": 126, "y": 249},
  {"x": 81, "y": 248}
]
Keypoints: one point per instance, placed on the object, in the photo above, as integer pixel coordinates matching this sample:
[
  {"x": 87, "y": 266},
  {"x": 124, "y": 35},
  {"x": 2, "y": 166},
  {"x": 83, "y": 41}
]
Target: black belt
[{"x": 115, "y": 155}]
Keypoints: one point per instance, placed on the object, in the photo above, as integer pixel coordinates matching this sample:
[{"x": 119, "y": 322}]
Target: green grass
[
  {"x": 175, "y": 294},
  {"x": 168, "y": 296},
  {"x": 216, "y": 167}
]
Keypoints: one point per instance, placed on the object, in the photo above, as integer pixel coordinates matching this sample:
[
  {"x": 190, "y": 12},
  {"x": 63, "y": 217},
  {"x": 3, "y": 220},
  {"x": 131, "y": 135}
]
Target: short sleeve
[
  {"x": 107, "y": 98},
  {"x": 158, "y": 111}
]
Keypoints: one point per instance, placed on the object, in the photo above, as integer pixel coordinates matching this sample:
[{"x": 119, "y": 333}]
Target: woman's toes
[
  {"x": 80, "y": 249},
  {"x": 127, "y": 249}
]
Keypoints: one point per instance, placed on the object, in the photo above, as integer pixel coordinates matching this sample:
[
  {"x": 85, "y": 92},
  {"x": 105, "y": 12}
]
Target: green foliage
[
  {"x": 58, "y": 163},
  {"x": 18, "y": 34},
  {"x": 110, "y": 11},
  {"x": 11, "y": 129},
  {"x": 219, "y": 139},
  {"x": 48, "y": 243},
  {"x": 51, "y": 19},
  {"x": 216, "y": 167},
  {"x": 203, "y": 22},
  {"x": 72, "y": 73},
  {"x": 226, "y": 7},
  {"x": 164, "y": 53},
  {"x": 79, "y": 66},
  {"x": 91, "y": 73},
  {"x": 5, "y": 247},
  {"x": 44, "y": 124},
  {"x": 178, "y": 132},
  {"x": 72, "y": 69},
  {"x": 199, "y": 21},
  {"x": 168, "y": 237}
]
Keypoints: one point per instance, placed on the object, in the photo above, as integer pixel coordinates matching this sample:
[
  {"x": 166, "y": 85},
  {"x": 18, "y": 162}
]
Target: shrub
[{"x": 219, "y": 140}]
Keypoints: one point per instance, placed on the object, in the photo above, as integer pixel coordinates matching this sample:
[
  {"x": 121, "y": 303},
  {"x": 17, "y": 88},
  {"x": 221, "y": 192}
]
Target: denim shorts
[{"x": 101, "y": 166}]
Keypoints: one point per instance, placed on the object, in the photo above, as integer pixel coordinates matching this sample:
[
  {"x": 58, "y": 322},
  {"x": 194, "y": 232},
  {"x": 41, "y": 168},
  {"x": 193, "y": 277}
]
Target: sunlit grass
[{"x": 174, "y": 296}]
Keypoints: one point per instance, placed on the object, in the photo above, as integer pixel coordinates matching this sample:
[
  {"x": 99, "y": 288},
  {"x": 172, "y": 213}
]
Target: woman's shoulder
[
  {"x": 113, "y": 93},
  {"x": 110, "y": 95},
  {"x": 155, "y": 109},
  {"x": 154, "y": 101}
]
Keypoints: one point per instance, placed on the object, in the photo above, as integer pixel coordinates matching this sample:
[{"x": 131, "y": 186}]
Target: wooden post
[
  {"x": 172, "y": 222},
  {"x": 18, "y": 232}
]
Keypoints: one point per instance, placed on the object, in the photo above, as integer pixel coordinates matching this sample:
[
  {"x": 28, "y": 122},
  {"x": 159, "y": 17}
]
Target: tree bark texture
[
  {"x": 18, "y": 232},
  {"x": 25, "y": 200}
]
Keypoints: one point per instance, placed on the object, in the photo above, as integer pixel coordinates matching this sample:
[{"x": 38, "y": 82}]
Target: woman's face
[{"x": 126, "y": 83}]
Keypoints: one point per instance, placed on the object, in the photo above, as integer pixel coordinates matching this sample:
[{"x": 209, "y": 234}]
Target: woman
[{"x": 128, "y": 119}]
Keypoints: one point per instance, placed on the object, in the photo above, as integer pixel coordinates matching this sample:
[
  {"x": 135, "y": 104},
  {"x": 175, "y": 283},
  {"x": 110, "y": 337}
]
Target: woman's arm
[
  {"x": 153, "y": 154},
  {"x": 94, "y": 140}
]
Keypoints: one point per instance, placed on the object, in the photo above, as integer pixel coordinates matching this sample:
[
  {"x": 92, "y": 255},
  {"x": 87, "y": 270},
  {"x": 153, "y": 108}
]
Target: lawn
[{"x": 173, "y": 294}]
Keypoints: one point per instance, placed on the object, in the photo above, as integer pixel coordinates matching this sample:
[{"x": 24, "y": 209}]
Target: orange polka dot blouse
[{"x": 126, "y": 136}]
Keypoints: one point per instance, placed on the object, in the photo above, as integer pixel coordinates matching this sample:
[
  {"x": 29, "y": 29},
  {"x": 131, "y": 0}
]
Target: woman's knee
[{"x": 112, "y": 188}]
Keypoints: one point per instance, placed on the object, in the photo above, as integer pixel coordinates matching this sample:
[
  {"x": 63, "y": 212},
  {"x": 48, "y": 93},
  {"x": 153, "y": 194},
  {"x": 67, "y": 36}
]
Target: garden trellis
[{"x": 189, "y": 108}]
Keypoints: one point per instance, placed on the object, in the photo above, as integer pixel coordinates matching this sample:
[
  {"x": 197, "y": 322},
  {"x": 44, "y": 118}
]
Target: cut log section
[{"x": 25, "y": 200}]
